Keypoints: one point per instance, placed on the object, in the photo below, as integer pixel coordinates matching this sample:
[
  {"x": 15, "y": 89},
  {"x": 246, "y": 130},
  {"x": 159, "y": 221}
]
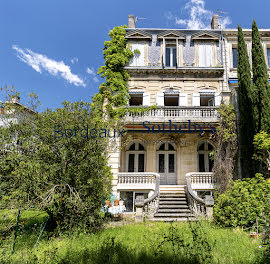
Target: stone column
[
  {"x": 114, "y": 161},
  {"x": 150, "y": 158},
  {"x": 139, "y": 203}
]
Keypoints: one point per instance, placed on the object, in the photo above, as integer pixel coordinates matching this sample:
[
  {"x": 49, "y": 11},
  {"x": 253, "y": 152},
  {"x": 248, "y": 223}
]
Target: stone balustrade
[
  {"x": 136, "y": 180},
  {"x": 176, "y": 113},
  {"x": 202, "y": 180}
]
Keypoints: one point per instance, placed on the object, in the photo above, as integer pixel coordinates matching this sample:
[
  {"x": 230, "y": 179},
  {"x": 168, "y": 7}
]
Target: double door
[{"x": 166, "y": 162}]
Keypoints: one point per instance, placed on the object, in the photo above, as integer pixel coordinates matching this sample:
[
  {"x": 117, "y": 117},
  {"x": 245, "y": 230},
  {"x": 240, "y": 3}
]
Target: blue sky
[{"x": 54, "y": 47}]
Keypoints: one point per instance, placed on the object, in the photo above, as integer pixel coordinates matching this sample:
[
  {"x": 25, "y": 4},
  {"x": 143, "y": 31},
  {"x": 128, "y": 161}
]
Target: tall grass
[{"x": 147, "y": 243}]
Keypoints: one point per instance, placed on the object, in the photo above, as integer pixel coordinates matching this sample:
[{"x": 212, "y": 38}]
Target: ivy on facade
[{"x": 113, "y": 93}]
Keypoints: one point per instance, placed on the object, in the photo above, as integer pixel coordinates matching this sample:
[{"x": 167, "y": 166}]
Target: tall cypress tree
[
  {"x": 261, "y": 96},
  {"x": 245, "y": 118}
]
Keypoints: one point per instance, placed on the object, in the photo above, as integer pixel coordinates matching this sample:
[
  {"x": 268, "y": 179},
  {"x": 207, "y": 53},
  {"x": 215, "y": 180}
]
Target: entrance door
[{"x": 166, "y": 163}]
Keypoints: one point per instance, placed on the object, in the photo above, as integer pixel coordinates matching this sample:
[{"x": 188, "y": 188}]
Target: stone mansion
[{"x": 163, "y": 168}]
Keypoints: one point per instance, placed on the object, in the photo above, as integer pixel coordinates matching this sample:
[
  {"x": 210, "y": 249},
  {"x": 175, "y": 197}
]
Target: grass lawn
[{"x": 147, "y": 243}]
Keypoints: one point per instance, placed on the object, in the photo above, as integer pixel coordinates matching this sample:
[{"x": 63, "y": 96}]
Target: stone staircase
[{"x": 173, "y": 205}]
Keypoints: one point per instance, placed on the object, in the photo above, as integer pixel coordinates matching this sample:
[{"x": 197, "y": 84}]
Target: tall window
[
  {"x": 268, "y": 57},
  {"x": 136, "y": 99},
  {"x": 136, "y": 158},
  {"x": 207, "y": 100},
  {"x": 170, "y": 56},
  {"x": 235, "y": 57},
  {"x": 205, "y": 55},
  {"x": 205, "y": 162},
  {"x": 171, "y": 99}
]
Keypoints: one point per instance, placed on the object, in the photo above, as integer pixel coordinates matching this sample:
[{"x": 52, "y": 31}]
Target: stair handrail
[
  {"x": 196, "y": 204},
  {"x": 156, "y": 191}
]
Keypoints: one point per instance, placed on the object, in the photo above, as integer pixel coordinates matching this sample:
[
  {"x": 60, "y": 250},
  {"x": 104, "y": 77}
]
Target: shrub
[{"x": 243, "y": 203}]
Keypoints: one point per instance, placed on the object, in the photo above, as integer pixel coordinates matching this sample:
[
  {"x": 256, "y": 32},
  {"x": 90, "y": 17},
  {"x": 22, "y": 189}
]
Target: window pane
[
  {"x": 132, "y": 147},
  {"x": 235, "y": 57},
  {"x": 127, "y": 197},
  {"x": 131, "y": 158},
  {"x": 210, "y": 147},
  {"x": 211, "y": 163},
  {"x": 162, "y": 147},
  {"x": 201, "y": 163},
  {"x": 161, "y": 163},
  {"x": 171, "y": 163},
  {"x": 268, "y": 57},
  {"x": 174, "y": 56},
  {"x": 168, "y": 53},
  {"x": 171, "y": 147},
  {"x": 141, "y": 163},
  {"x": 201, "y": 147},
  {"x": 171, "y": 100},
  {"x": 136, "y": 99},
  {"x": 141, "y": 147}
]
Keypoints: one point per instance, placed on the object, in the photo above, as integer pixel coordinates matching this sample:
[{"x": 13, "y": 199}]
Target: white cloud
[
  {"x": 91, "y": 72},
  {"x": 41, "y": 63},
  {"x": 198, "y": 16},
  {"x": 74, "y": 60}
]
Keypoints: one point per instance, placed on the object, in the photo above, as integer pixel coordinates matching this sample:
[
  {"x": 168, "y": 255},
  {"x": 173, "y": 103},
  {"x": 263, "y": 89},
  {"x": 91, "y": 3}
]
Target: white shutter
[
  {"x": 218, "y": 99},
  {"x": 201, "y": 55},
  {"x": 183, "y": 99},
  {"x": 146, "y": 99},
  {"x": 208, "y": 55},
  {"x": 160, "y": 99},
  {"x": 196, "y": 99},
  {"x": 138, "y": 59}
]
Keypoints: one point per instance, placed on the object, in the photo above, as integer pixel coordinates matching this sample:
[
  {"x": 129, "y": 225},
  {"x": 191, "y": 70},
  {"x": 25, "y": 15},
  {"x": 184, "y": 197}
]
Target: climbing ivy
[{"x": 113, "y": 93}]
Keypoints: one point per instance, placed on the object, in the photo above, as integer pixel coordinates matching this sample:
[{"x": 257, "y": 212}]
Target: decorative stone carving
[
  {"x": 188, "y": 52},
  {"x": 154, "y": 51}
]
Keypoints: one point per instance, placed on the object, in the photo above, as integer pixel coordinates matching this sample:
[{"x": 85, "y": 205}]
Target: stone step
[
  {"x": 173, "y": 206},
  {"x": 172, "y": 198},
  {"x": 167, "y": 219},
  {"x": 173, "y": 202},
  {"x": 176, "y": 215},
  {"x": 172, "y": 194},
  {"x": 170, "y": 210}
]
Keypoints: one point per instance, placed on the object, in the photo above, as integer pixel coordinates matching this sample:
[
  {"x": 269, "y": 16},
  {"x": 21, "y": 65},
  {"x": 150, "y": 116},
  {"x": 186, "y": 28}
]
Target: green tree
[
  {"x": 48, "y": 162},
  {"x": 245, "y": 122},
  {"x": 226, "y": 147},
  {"x": 261, "y": 96},
  {"x": 262, "y": 147}
]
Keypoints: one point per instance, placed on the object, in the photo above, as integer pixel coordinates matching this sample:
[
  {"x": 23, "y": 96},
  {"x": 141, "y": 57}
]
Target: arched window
[
  {"x": 136, "y": 158},
  {"x": 205, "y": 163}
]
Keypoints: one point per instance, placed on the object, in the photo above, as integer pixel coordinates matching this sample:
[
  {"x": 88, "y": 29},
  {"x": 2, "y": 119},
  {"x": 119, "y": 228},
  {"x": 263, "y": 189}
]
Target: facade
[{"x": 186, "y": 74}]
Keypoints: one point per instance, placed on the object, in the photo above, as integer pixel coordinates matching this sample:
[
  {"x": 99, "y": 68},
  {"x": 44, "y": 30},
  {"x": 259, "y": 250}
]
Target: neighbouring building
[{"x": 163, "y": 167}]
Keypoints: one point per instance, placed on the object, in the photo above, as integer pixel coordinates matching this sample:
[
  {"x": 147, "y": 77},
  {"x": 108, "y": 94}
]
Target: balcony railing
[
  {"x": 202, "y": 180},
  {"x": 176, "y": 113}
]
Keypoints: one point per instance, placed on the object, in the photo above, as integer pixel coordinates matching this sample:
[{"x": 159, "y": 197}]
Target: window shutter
[
  {"x": 196, "y": 99},
  {"x": 183, "y": 99},
  {"x": 146, "y": 99},
  {"x": 217, "y": 99},
  {"x": 160, "y": 99},
  {"x": 202, "y": 55},
  {"x": 140, "y": 59},
  {"x": 208, "y": 55}
]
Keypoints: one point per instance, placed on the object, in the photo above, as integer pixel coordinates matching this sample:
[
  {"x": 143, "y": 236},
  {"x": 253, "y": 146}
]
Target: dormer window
[{"x": 170, "y": 56}]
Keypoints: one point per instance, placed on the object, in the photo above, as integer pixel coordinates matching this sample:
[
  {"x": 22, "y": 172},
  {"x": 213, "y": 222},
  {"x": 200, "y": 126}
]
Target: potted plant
[{"x": 116, "y": 200}]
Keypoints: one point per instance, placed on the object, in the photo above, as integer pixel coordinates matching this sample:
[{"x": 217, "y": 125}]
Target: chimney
[
  {"x": 131, "y": 21},
  {"x": 214, "y": 23}
]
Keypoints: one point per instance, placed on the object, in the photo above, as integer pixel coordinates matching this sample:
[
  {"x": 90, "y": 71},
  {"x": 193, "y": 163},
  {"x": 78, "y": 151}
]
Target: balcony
[
  {"x": 201, "y": 180},
  {"x": 175, "y": 114}
]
